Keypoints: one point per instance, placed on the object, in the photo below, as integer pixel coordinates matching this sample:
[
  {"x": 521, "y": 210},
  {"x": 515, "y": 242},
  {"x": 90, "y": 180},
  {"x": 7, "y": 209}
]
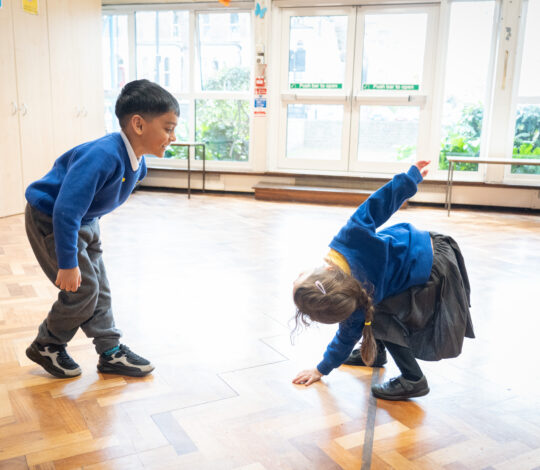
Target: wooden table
[
  {"x": 496, "y": 161},
  {"x": 189, "y": 145}
]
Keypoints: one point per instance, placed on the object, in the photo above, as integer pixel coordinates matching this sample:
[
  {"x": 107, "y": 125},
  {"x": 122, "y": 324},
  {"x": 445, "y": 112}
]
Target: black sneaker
[
  {"x": 54, "y": 359},
  {"x": 355, "y": 359},
  {"x": 399, "y": 388},
  {"x": 124, "y": 362}
]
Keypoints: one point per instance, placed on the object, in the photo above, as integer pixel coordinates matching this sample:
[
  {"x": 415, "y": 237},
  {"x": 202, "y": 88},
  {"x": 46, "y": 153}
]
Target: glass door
[
  {"x": 315, "y": 88},
  {"x": 392, "y": 88},
  {"x": 356, "y": 86}
]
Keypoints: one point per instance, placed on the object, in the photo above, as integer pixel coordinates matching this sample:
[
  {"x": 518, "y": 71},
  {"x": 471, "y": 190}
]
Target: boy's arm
[
  {"x": 84, "y": 177},
  {"x": 378, "y": 208}
]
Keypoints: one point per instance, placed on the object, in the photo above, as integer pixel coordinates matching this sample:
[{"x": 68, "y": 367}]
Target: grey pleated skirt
[{"x": 431, "y": 319}]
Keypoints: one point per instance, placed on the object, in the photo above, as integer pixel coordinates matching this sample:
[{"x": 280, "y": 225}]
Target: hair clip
[{"x": 320, "y": 287}]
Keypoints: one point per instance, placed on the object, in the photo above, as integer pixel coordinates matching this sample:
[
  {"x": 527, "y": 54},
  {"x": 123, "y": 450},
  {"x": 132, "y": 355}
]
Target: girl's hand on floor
[
  {"x": 422, "y": 164},
  {"x": 69, "y": 279},
  {"x": 307, "y": 377}
]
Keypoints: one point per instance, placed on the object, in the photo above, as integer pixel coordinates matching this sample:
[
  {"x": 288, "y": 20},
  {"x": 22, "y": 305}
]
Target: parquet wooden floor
[{"x": 203, "y": 288}]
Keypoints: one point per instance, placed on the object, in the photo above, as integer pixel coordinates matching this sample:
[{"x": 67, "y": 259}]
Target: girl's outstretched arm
[
  {"x": 378, "y": 208},
  {"x": 307, "y": 377}
]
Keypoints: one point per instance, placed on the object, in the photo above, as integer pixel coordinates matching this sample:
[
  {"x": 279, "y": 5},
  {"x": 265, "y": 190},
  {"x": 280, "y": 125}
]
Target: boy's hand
[
  {"x": 69, "y": 279},
  {"x": 422, "y": 164},
  {"x": 307, "y": 377}
]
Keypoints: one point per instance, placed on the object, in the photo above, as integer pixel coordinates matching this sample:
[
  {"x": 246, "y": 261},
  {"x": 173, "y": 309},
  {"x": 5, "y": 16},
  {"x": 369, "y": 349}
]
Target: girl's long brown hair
[{"x": 342, "y": 295}]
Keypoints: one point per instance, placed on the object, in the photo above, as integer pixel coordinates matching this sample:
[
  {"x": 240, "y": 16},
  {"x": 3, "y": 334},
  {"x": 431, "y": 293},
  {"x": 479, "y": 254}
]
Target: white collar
[{"x": 132, "y": 157}]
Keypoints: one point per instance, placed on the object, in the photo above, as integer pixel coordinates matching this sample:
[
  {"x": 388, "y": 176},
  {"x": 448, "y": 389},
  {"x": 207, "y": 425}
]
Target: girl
[{"x": 406, "y": 287}]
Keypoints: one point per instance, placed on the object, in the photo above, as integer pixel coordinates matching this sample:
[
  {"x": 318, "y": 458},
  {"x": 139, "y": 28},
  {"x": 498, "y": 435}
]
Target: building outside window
[{"x": 203, "y": 58}]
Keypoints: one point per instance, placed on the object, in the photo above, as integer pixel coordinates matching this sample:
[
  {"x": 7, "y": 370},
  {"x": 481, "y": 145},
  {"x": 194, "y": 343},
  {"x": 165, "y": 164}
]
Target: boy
[{"x": 62, "y": 216}]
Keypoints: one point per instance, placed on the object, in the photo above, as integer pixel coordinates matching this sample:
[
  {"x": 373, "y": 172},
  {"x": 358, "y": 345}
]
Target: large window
[
  {"x": 203, "y": 58},
  {"x": 467, "y": 73},
  {"x": 527, "y": 117}
]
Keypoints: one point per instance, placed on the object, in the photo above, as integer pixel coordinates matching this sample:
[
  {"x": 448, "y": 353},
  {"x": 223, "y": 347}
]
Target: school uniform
[
  {"x": 62, "y": 224},
  {"x": 417, "y": 280}
]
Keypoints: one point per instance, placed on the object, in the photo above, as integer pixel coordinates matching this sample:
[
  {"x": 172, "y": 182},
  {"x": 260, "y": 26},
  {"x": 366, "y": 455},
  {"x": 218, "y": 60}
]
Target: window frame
[
  {"x": 509, "y": 177},
  {"x": 193, "y": 94}
]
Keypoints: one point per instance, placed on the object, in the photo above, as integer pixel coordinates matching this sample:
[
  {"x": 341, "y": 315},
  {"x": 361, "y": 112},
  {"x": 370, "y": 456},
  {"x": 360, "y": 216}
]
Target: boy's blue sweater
[
  {"x": 388, "y": 261},
  {"x": 86, "y": 182}
]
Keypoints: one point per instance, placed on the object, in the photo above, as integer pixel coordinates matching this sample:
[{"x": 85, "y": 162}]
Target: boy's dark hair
[{"x": 145, "y": 98}]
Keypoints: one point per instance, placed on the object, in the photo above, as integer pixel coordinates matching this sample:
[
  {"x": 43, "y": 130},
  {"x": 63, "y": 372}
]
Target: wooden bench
[{"x": 495, "y": 161}]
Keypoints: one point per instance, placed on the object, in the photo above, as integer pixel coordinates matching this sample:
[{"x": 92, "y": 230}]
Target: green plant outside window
[
  {"x": 527, "y": 138},
  {"x": 223, "y": 125},
  {"x": 463, "y": 139}
]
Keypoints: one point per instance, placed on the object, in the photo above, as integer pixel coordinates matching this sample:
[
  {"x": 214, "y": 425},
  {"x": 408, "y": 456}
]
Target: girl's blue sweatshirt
[
  {"x": 388, "y": 261},
  {"x": 86, "y": 182}
]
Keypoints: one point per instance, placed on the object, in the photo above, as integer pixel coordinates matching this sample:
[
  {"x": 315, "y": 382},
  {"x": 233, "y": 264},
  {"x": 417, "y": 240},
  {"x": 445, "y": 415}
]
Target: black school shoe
[
  {"x": 124, "y": 362},
  {"x": 355, "y": 359},
  {"x": 399, "y": 388},
  {"x": 54, "y": 359}
]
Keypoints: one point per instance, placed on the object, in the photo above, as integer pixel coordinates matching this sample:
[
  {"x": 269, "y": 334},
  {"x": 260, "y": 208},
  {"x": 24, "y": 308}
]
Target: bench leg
[
  {"x": 189, "y": 172},
  {"x": 449, "y": 186},
  {"x": 203, "y": 167}
]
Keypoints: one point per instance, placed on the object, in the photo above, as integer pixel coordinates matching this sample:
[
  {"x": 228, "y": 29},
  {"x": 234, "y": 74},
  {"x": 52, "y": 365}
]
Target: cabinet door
[
  {"x": 76, "y": 81},
  {"x": 34, "y": 90},
  {"x": 65, "y": 88},
  {"x": 11, "y": 185},
  {"x": 91, "y": 77}
]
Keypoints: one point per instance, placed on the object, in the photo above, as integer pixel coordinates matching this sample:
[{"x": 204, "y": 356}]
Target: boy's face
[{"x": 159, "y": 133}]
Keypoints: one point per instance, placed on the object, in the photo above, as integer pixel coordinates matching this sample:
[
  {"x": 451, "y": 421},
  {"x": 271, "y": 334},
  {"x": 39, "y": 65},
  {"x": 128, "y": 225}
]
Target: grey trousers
[{"x": 90, "y": 307}]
